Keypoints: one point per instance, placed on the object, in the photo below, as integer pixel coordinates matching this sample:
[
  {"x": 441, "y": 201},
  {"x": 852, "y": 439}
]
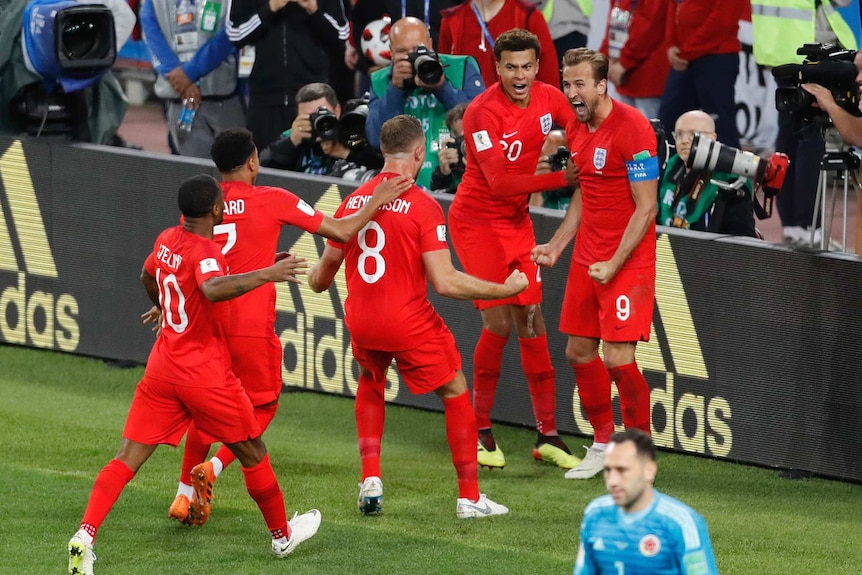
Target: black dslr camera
[
  {"x": 559, "y": 159},
  {"x": 352, "y": 125},
  {"x": 459, "y": 145},
  {"x": 426, "y": 64},
  {"x": 825, "y": 64},
  {"x": 324, "y": 124}
]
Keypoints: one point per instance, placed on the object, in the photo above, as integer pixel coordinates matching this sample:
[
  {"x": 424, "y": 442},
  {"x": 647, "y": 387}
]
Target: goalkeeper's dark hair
[
  {"x": 642, "y": 441},
  {"x": 231, "y": 149},
  {"x": 198, "y": 195}
]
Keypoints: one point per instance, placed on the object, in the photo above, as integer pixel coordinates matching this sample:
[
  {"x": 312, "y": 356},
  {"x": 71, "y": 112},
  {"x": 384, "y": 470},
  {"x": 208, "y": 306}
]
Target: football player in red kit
[
  {"x": 504, "y": 129},
  {"x": 610, "y": 293},
  {"x": 388, "y": 266}
]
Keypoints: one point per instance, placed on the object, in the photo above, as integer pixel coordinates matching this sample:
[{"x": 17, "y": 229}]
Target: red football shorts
[
  {"x": 256, "y": 361},
  {"x": 491, "y": 253},
  {"x": 619, "y": 311},
  {"x": 161, "y": 412},
  {"x": 430, "y": 364}
]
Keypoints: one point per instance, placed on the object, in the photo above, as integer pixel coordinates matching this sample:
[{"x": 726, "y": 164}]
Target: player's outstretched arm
[
  {"x": 449, "y": 282},
  {"x": 342, "y": 229},
  {"x": 322, "y": 273},
  {"x": 546, "y": 255},
  {"x": 228, "y": 287}
]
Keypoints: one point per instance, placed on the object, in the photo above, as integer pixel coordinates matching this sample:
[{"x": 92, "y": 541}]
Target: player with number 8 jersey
[{"x": 388, "y": 314}]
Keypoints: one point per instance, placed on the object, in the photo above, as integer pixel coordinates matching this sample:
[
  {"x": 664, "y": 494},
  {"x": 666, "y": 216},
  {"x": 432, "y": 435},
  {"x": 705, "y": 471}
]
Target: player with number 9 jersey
[{"x": 386, "y": 279}]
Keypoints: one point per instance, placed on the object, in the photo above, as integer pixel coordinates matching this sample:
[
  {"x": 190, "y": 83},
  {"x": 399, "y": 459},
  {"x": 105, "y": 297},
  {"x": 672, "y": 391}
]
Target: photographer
[
  {"x": 303, "y": 148},
  {"x": 701, "y": 200},
  {"x": 421, "y": 84},
  {"x": 450, "y": 159},
  {"x": 848, "y": 125},
  {"x": 554, "y": 158}
]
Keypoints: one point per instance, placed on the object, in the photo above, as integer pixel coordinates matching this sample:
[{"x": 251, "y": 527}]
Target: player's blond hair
[{"x": 400, "y": 134}]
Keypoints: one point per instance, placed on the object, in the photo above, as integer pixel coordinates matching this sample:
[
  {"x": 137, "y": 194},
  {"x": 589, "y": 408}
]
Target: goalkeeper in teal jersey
[{"x": 636, "y": 530}]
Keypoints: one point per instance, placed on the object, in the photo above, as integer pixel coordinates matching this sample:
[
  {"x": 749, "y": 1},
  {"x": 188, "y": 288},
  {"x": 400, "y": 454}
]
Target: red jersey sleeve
[
  {"x": 210, "y": 263},
  {"x": 150, "y": 264},
  {"x": 433, "y": 231},
  {"x": 339, "y": 213},
  {"x": 483, "y": 132},
  {"x": 293, "y": 210}
]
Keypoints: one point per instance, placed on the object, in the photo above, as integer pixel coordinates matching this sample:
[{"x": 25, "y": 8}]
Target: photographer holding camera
[
  {"x": 703, "y": 200},
  {"x": 776, "y": 39},
  {"x": 450, "y": 159},
  {"x": 319, "y": 136},
  {"x": 554, "y": 158},
  {"x": 421, "y": 84}
]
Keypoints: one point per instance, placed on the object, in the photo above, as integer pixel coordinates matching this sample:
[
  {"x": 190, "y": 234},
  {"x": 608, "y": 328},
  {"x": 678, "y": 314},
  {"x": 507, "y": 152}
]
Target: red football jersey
[
  {"x": 248, "y": 236},
  {"x": 503, "y": 147},
  {"x": 387, "y": 305},
  {"x": 191, "y": 348},
  {"x": 604, "y": 159}
]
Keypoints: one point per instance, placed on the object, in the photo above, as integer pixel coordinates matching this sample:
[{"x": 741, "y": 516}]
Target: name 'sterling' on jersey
[
  {"x": 169, "y": 258},
  {"x": 397, "y": 205}
]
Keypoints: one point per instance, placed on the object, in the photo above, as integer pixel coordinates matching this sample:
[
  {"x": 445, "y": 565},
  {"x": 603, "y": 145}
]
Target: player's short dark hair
[
  {"x": 643, "y": 441},
  {"x": 316, "y": 91},
  {"x": 231, "y": 149},
  {"x": 198, "y": 195},
  {"x": 597, "y": 61},
  {"x": 516, "y": 40},
  {"x": 400, "y": 134}
]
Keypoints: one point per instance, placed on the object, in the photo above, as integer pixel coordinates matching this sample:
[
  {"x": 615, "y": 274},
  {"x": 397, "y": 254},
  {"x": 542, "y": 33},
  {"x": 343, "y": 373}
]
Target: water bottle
[{"x": 187, "y": 116}]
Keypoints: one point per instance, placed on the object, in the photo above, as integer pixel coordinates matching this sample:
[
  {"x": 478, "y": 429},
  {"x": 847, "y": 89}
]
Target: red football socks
[
  {"x": 536, "y": 362},
  {"x": 594, "y": 389},
  {"x": 634, "y": 396},
  {"x": 370, "y": 411},
  {"x": 262, "y": 485},
  {"x": 461, "y": 435},
  {"x": 109, "y": 484},
  {"x": 487, "y": 359}
]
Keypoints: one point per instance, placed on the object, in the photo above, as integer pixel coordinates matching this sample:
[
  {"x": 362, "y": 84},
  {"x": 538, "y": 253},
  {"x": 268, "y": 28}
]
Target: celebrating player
[
  {"x": 505, "y": 128},
  {"x": 254, "y": 216},
  {"x": 611, "y": 284},
  {"x": 389, "y": 316},
  {"x": 188, "y": 375}
]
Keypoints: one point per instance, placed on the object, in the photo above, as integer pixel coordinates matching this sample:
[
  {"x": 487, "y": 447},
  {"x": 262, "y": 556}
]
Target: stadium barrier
[{"x": 753, "y": 357}]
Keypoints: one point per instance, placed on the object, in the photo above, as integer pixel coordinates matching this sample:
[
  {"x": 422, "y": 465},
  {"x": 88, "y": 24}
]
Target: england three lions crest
[
  {"x": 599, "y": 158},
  {"x": 547, "y": 123}
]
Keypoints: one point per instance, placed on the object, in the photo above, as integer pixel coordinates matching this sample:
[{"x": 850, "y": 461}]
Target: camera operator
[
  {"x": 450, "y": 159},
  {"x": 776, "y": 39},
  {"x": 848, "y": 125},
  {"x": 303, "y": 148},
  {"x": 702, "y": 200},
  {"x": 421, "y": 84}
]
